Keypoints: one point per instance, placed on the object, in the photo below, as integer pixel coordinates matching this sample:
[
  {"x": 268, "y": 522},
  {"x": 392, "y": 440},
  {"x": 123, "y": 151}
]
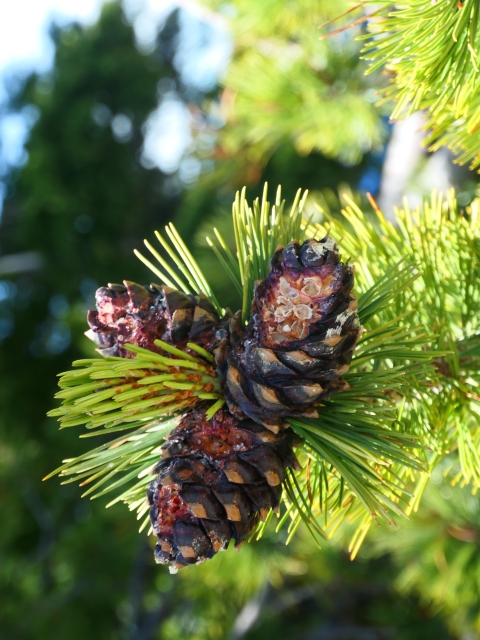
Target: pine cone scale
[
  {"x": 219, "y": 532},
  {"x": 268, "y": 364},
  {"x": 191, "y": 541},
  {"x": 267, "y": 463},
  {"x": 202, "y": 502},
  {"x": 239, "y": 471}
]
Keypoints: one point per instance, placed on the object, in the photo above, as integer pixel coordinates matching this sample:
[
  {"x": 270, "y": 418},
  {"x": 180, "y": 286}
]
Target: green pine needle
[
  {"x": 181, "y": 263},
  {"x": 259, "y": 230},
  {"x": 136, "y": 398},
  {"x": 444, "y": 246},
  {"x": 430, "y": 51}
]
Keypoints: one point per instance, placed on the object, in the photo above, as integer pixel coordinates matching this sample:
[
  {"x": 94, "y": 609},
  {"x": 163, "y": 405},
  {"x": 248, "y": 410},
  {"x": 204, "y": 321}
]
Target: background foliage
[
  {"x": 429, "y": 52},
  {"x": 83, "y": 201}
]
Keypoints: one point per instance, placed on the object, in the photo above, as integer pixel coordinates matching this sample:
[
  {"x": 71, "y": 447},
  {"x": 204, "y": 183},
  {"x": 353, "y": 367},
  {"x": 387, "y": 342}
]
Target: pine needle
[{"x": 136, "y": 397}]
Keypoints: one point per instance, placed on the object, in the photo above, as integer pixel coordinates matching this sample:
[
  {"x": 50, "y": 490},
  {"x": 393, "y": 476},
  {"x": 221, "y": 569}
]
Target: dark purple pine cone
[
  {"x": 215, "y": 481},
  {"x": 140, "y": 315},
  {"x": 300, "y": 338}
]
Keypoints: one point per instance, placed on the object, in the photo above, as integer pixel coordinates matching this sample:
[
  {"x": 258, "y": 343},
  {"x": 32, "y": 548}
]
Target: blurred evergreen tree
[
  {"x": 285, "y": 85},
  {"x": 437, "y": 553},
  {"x": 81, "y": 203}
]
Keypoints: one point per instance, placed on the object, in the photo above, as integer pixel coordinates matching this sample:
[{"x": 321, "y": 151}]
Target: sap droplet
[
  {"x": 283, "y": 311},
  {"x": 302, "y": 311},
  {"x": 311, "y": 288}
]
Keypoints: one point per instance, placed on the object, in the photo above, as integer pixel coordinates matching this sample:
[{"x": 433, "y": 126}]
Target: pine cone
[
  {"x": 215, "y": 481},
  {"x": 140, "y": 315},
  {"x": 300, "y": 339}
]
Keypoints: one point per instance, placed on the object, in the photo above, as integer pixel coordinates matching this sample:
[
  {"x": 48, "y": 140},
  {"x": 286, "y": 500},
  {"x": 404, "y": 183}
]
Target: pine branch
[
  {"x": 136, "y": 399},
  {"x": 443, "y": 300},
  {"x": 430, "y": 51},
  {"x": 368, "y": 454}
]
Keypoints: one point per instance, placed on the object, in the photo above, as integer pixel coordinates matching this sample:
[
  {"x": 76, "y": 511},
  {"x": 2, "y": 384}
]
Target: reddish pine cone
[
  {"x": 300, "y": 339},
  {"x": 140, "y": 315},
  {"x": 215, "y": 481}
]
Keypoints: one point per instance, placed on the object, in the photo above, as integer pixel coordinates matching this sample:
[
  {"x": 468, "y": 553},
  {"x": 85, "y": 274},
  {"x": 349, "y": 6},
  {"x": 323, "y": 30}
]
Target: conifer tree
[{"x": 346, "y": 374}]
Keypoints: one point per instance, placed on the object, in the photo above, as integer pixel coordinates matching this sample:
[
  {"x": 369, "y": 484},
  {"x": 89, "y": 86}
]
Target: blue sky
[
  {"x": 24, "y": 41},
  {"x": 25, "y": 46}
]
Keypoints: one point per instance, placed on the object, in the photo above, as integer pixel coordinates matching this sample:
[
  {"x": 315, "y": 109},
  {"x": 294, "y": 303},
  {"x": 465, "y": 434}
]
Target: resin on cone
[
  {"x": 216, "y": 480},
  {"x": 132, "y": 313},
  {"x": 300, "y": 339}
]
